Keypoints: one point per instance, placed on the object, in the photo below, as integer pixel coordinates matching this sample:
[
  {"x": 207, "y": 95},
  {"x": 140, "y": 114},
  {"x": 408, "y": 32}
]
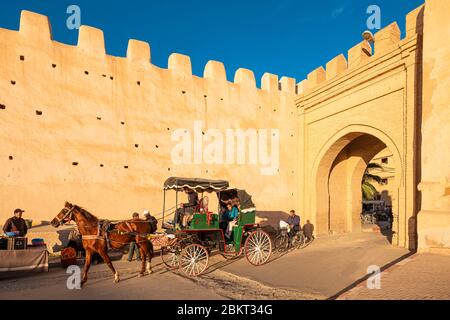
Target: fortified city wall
[{"x": 93, "y": 129}]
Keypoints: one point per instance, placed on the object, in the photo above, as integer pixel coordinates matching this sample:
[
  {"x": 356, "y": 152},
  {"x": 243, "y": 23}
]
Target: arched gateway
[{"x": 337, "y": 174}]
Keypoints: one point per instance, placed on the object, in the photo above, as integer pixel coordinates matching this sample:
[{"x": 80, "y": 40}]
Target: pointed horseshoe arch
[{"x": 335, "y": 179}]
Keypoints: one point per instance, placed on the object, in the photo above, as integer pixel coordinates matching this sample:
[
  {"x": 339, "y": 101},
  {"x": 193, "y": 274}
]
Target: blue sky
[{"x": 284, "y": 37}]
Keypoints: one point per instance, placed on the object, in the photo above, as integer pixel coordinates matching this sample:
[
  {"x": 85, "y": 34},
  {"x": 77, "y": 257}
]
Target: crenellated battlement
[
  {"x": 385, "y": 40},
  {"x": 138, "y": 51},
  {"x": 35, "y": 26},
  {"x": 91, "y": 44}
]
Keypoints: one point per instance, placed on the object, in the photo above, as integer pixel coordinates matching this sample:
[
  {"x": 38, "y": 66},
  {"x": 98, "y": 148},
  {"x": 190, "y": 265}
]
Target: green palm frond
[
  {"x": 374, "y": 165},
  {"x": 371, "y": 177},
  {"x": 368, "y": 191}
]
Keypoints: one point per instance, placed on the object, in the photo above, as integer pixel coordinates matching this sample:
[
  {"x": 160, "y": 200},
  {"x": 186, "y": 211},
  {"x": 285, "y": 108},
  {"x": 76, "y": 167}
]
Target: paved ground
[
  {"x": 324, "y": 268},
  {"x": 421, "y": 276},
  {"x": 319, "y": 271},
  {"x": 331, "y": 267},
  {"x": 160, "y": 285}
]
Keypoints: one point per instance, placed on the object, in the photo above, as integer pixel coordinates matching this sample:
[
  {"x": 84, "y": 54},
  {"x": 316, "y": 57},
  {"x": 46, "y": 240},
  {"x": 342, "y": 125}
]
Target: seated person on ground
[{"x": 308, "y": 230}]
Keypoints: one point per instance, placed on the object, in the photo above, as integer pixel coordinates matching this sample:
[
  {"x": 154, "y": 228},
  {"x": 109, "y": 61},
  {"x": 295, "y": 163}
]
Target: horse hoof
[{"x": 141, "y": 275}]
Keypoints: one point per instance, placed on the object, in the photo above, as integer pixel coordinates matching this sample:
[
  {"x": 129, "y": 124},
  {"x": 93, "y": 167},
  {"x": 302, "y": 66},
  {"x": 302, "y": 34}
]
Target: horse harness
[
  {"x": 103, "y": 232},
  {"x": 104, "y": 225}
]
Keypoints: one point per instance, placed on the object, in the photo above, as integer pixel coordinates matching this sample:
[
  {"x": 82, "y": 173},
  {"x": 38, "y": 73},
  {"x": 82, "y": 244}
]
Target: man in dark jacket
[
  {"x": 186, "y": 209},
  {"x": 133, "y": 245},
  {"x": 16, "y": 224},
  {"x": 308, "y": 230},
  {"x": 294, "y": 222}
]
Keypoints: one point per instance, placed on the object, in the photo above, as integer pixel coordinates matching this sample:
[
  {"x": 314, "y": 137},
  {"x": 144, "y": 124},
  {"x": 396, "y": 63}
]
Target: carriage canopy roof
[
  {"x": 245, "y": 199},
  {"x": 197, "y": 184}
]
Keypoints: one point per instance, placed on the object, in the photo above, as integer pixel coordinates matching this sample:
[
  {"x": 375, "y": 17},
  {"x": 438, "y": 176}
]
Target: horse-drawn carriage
[{"x": 191, "y": 247}]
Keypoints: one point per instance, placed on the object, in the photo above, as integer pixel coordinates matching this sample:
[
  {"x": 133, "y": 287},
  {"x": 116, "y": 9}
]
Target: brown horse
[{"x": 96, "y": 238}]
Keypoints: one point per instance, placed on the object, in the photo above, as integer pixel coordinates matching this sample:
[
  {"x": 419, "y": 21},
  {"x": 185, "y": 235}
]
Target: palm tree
[{"x": 368, "y": 190}]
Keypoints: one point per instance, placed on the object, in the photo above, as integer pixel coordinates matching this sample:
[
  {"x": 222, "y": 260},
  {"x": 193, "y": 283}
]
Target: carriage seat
[{"x": 246, "y": 217}]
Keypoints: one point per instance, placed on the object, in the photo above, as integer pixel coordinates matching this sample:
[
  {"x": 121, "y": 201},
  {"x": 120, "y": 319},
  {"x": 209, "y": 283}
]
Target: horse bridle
[{"x": 69, "y": 212}]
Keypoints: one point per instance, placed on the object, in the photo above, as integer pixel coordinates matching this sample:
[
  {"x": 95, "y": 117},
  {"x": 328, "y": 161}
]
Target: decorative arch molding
[{"x": 353, "y": 131}]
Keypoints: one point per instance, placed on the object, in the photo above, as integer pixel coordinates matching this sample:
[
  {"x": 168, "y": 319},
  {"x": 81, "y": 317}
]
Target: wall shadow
[
  {"x": 271, "y": 220},
  {"x": 63, "y": 237},
  {"x": 359, "y": 281},
  {"x": 412, "y": 222}
]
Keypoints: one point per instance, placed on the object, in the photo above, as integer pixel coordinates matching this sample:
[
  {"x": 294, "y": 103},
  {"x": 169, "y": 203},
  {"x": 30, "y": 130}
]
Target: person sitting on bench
[
  {"x": 230, "y": 218},
  {"x": 186, "y": 209}
]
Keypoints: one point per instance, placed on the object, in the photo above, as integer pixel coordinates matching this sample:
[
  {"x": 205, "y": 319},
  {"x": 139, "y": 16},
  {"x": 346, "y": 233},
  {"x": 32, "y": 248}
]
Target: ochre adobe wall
[
  {"x": 94, "y": 108},
  {"x": 434, "y": 216}
]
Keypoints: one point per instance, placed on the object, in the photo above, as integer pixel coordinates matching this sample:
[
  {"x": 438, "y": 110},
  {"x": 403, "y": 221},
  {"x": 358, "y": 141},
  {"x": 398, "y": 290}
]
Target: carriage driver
[{"x": 186, "y": 210}]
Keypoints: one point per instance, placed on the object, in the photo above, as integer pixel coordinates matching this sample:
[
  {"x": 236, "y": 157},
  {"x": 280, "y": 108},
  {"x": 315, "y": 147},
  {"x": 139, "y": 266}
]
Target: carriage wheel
[
  {"x": 301, "y": 241},
  {"x": 194, "y": 260},
  {"x": 281, "y": 243},
  {"x": 258, "y": 247},
  {"x": 171, "y": 256}
]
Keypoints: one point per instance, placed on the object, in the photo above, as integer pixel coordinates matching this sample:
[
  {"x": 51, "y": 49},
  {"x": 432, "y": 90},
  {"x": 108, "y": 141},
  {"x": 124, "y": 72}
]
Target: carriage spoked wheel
[
  {"x": 258, "y": 247},
  {"x": 171, "y": 256},
  {"x": 299, "y": 241},
  {"x": 282, "y": 243},
  {"x": 194, "y": 260}
]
